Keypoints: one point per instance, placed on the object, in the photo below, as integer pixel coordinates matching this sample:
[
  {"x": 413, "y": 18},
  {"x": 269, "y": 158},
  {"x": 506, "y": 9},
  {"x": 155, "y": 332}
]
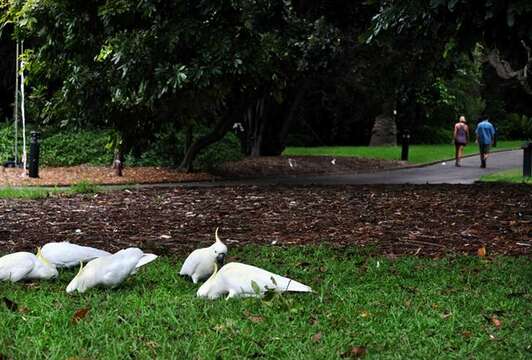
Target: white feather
[
  {"x": 241, "y": 280},
  {"x": 24, "y": 265},
  {"x": 199, "y": 264},
  {"x": 65, "y": 254},
  {"x": 108, "y": 271}
]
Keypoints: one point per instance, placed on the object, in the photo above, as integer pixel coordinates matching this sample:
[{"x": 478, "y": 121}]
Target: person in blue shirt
[{"x": 485, "y": 136}]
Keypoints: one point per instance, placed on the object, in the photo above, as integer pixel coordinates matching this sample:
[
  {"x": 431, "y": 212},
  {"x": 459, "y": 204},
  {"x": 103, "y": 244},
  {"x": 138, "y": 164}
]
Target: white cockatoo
[
  {"x": 241, "y": 280},
  {"x": 199, "y": 265},
  {"x": 25, "y": 265},
  {"x": 109, "y": 271},
  {"x": 65, "y": 254}
]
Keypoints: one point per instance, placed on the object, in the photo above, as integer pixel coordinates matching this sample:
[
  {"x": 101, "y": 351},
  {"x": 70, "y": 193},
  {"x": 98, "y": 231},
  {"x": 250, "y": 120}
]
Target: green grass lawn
[
  {"x": 417, "y": 153},
  {"x": 26, "y": 193},
  {"x": 509, "y": 176},
  {"x": 404, "y": 308},
  {"x": 83, "y": 187}
]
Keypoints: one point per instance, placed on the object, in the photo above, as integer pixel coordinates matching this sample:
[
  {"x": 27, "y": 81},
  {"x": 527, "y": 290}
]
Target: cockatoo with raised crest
[
  {"x": 242, "y": 280},
  {"x": 65, "y": 254},
  {"x": 109, "y": 271},
  {"x": 24, "y": 265},
  {"x": 199, "y": 265}
]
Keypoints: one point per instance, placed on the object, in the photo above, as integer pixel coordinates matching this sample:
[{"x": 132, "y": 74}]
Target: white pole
[
  {"x": 15, "y": 115},
  {"x": 24, "y": 160}
]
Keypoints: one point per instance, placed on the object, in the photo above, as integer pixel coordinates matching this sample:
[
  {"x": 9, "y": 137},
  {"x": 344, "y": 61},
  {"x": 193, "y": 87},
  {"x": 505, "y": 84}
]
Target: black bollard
[
  {"x": 527, "y": 159},
  {"x": 34, "y": 155},
  {"x": 405, "y": 142}
]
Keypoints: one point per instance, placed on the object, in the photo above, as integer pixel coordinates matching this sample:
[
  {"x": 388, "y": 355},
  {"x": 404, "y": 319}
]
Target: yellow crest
[
  {"x": 80, "y": 268},
  {"x": 41, "y": 257}
]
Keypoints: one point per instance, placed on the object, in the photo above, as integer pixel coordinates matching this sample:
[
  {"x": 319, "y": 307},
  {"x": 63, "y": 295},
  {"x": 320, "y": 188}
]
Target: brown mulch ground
[
  {"x": 391, "y": 220},
  {"x": 62, "y": 176},
  {"x": 252, "y": 167},
  {"x": 303, "y": 165}
]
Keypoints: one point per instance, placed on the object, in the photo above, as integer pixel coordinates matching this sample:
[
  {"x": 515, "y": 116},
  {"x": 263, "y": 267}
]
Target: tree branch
[{"x": 504, "y": 69}]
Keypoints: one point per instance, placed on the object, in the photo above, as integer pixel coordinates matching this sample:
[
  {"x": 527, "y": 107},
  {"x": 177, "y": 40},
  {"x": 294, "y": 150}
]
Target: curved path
[{"x": 440, "y": 173}]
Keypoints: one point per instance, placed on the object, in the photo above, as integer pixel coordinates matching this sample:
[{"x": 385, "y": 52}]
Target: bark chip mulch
[
  {"x": 392, "y": 220},
  {"x": 249, "y": 167},
  {"x": 64, "y": 176},
  {"x": 302, "y": 165}
]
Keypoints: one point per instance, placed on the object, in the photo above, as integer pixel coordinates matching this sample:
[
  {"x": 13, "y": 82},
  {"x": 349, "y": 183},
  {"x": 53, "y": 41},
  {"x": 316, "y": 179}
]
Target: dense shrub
[
  {"x": 76, "y": 147},
  {"x": 431, "y": 135},
  {"x": 6, "y": 143},
  {"x": 515, "y": 127},
  {"x": 167, "y": 149}
]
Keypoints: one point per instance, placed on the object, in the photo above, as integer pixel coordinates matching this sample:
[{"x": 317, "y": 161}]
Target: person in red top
[{"x": 461, "y": 137}]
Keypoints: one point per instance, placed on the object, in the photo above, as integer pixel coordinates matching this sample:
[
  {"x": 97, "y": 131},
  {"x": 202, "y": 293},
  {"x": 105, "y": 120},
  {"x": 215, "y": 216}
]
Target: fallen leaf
[
  {"x": 364, "y": 314},
  {"x": 313, "y": 320},
  {"x": 219, "y": 327},
  {"x": 481, "y": 251},
  {"x": 152, "y": 344},
  {"x": 11, "y": 305},
  {"x": 316, "y": 337},
  {"x": 466, "y": 334},
  {"x": 23, "y": 310},
  {"x": 446, "y": 315},
  {"x": 79, "y": 315},
  {"x": 496, "y": 322},
  {"x": 356, "y": 352},
  {"x": 253, "y": 318},
  {"x": 256, "y": 319}
]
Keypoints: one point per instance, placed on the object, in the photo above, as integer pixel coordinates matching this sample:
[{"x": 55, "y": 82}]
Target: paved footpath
[{"x": 440, "y": 173}]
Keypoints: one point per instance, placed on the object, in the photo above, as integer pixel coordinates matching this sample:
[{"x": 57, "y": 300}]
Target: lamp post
[
  {"x": 34, "y": 155},
  {"x": 405, "y": 143},
  {"x": 527, "y": 159}
]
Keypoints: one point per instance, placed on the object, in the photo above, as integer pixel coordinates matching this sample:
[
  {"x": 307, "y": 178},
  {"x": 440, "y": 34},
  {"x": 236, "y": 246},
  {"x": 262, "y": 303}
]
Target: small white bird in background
[
  {"x": 241, "y": 280},
  {"x": 199, "y": 265},
  {"x": 65, "y": 254},
  {"x": 25, "y": 265},
  {"x": 109, "y": 271}
]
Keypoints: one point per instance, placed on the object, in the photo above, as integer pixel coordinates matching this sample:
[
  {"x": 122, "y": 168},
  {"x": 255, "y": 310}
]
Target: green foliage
[
  {"x": 432, "y": 135},
  {"x": 74, "y": 147},
  {"x": 515, "y": 126},
  {"x": 168, "y": 148},
  {"x": 7, "y": 145},
  {"x": 134, "y": 65},
  {"x": 443, "y": 309}
]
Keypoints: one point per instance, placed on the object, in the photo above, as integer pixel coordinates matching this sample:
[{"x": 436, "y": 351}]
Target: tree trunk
[
  {"x": 118, "y": 162},
  {"x": 221, "y": 128},
  {"x": 188, "y": 138},
  {"x": 384, "y": 130},
  {"x": 258, "y": 137},
  {"x": 289, "y": 120}
]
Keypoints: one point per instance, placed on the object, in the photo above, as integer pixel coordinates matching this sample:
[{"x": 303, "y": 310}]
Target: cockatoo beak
[{"x": 220, "y": 259}]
